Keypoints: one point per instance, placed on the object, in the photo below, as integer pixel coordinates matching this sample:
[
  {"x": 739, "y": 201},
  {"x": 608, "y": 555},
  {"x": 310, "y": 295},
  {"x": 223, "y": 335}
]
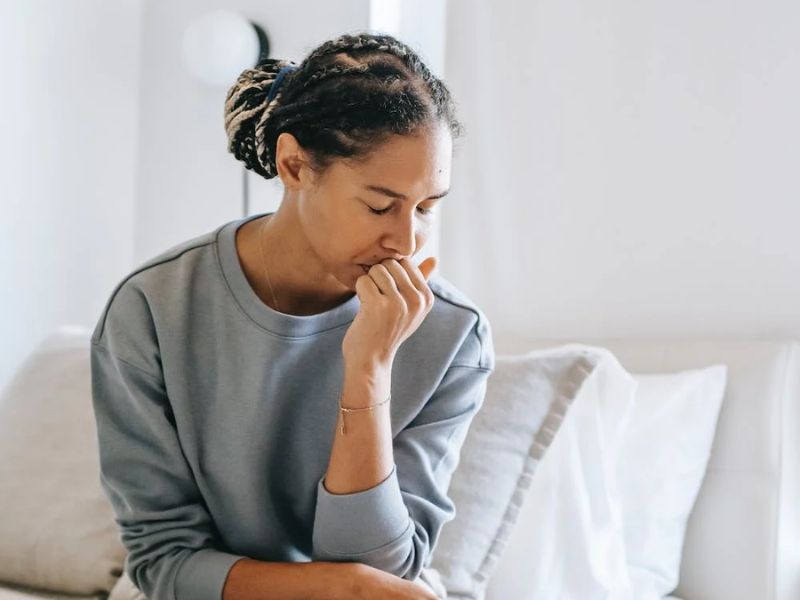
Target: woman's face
[{"x": 336, "y": 212}]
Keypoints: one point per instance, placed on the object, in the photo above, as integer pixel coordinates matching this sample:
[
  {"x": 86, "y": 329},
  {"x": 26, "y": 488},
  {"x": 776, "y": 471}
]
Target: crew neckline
[{"x": 267, "y": 317}]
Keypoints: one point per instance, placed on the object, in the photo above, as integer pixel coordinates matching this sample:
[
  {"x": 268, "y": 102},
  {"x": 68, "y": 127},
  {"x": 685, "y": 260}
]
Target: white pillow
[
  {"x": 526, "y": 399},
  {"x": 568, "y": 541},
  {"x": 664, "y": 457},
  {"x": 606, "y": 515}
]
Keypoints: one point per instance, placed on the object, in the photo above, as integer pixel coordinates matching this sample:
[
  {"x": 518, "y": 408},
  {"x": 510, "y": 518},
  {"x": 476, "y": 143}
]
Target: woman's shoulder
[
  {"x": 180, "y": 252},
  {"x": 156, "y": 279},
  {"x": 457, "y": 319},
  {"x": 446, "y": 290}
]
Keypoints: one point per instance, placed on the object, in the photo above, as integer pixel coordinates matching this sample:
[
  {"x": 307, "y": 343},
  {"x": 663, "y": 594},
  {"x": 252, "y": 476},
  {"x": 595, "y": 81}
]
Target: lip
[{"x": 365, "y": 268}]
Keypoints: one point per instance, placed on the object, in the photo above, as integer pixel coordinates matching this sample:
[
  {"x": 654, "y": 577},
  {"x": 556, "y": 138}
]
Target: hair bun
[{"x": 248, "y": 106}]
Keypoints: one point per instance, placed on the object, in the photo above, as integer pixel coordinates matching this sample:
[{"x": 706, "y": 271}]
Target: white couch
[
  {"x": 743, "y": 535},
  {"x": 58, "y": 538}
]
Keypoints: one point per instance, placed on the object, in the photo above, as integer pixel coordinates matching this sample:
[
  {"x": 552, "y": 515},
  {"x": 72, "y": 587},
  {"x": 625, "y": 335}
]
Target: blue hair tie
[{"x": 278, "y": 80}]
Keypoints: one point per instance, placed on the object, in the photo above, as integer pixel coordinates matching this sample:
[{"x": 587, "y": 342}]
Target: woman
[{"x": 281, "y": 402}]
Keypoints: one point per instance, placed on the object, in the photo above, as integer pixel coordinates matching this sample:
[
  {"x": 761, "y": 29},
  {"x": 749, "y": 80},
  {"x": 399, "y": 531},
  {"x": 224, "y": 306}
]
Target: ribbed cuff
[
  {"x": 358, "y": 523},
  {"x": 202, "y": 575}
]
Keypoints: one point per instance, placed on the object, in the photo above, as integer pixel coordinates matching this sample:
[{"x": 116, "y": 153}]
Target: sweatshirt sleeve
[
  {"x": 394, "y": 526},
  {"x": 158, "y": 508}
]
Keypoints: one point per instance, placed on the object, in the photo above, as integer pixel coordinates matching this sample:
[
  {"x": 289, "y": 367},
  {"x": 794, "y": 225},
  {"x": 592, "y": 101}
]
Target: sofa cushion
[
  {"x": 527, "y": 398},
  {"x": 125, "y": 589},
  {"x": 662, "y": 464},
  {"x": 57, "y": 529},
  {"x": 15, "y": 593},
  {"x": 19, "y": 593},
  {"x": 567, "y": 541}
]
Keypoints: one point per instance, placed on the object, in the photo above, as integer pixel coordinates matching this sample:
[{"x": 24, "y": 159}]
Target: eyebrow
[{"x": 393, "y": 194}]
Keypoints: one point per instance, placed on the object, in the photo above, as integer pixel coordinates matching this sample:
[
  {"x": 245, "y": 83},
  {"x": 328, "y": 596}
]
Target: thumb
[{"x": 427, "y": 266}]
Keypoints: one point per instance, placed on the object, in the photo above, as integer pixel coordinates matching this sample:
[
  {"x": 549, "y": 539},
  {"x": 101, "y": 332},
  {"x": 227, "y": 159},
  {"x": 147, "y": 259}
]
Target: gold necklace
[{"x": 261, "y": 246}]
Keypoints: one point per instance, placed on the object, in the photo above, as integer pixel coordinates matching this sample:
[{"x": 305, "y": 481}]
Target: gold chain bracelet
[{"x": 344, "y": 410}]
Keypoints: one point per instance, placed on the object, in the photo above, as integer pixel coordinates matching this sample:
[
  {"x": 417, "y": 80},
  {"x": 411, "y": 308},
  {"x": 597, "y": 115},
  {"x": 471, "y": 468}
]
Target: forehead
[{"x": 408, "y": 163}]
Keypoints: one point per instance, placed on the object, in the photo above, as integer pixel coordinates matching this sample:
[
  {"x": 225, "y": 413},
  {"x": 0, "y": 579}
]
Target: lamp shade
[{"x": 219, "y": 45}]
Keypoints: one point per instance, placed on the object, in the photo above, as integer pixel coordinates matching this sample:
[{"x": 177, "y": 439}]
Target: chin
[
  {"x": 349, "y": 277},
  {"x": 355, "y": 272}
]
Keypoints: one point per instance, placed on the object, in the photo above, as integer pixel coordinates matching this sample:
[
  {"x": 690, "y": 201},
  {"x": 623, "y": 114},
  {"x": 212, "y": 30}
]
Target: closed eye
[{"x": 382, "y": 211}]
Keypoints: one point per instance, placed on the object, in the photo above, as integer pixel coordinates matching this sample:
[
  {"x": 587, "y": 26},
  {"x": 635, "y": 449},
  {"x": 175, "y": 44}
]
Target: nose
[{"x": 402, "y": 237}]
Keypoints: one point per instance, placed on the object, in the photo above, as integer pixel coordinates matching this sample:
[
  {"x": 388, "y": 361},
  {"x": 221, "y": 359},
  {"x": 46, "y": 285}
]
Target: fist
[{"x": 395, "y": 299}]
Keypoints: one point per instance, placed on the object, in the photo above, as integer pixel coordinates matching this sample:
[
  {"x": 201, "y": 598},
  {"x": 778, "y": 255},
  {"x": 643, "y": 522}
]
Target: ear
[{"x": 290, "y": 160}]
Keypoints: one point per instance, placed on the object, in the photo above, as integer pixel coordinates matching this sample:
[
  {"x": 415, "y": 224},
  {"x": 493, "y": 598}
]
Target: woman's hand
[
  {"x": 395, "y": 299},
  {"x": 369, "y": 583}
]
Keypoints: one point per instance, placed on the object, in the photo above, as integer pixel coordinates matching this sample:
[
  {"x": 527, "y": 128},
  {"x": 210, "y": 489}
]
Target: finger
[
  {"x": 385, "y": 282},
  {"x": 417, "y": 277},
  {"x": 366, "y": 288},
  {"x": 428, "y": 265},
  {"x": 402, "y": 279}
]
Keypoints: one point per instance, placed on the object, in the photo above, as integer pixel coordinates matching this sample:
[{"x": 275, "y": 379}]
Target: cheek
[{"x": 352, "y": 245}]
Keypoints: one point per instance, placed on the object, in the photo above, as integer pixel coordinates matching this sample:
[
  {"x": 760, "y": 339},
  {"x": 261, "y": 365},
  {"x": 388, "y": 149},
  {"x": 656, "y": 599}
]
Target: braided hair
[{"x": 343, "y": 100}]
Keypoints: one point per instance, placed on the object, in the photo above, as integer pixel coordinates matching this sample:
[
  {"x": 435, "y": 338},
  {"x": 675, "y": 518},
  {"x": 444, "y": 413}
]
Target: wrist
[
  {"x": 365, "y": 386},
  {"x": 369, "y": 370},
  {"x": 370, "y": 360},
  {"x": 339, "y": 580},
  {"x": 344, "y": 580}
]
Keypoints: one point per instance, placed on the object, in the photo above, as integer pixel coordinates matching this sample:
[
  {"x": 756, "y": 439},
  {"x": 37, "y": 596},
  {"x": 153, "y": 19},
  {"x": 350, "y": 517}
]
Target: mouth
[{"x": 365, "y": 268}]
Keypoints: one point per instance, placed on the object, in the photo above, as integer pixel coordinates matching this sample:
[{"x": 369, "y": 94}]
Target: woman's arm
[
  {"x": 256, "y": 580},
  {"x": 253, "y": 580},
  {"x": 362, "y": 457},
  {"x": 395, "y": 299},
  {"x": 394, "y": 525}
]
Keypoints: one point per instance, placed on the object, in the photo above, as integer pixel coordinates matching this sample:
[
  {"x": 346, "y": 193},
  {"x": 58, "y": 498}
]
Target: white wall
[
  {"x": 630, "y": 169},
  {"x": 68, "y": 117}
]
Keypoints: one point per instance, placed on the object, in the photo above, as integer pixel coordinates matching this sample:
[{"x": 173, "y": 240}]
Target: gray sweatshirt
[{"x": 216, "y": 416}]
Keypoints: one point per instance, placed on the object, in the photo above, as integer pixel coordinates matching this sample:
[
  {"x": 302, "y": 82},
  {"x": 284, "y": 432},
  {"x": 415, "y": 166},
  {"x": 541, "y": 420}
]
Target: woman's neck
[{"x": 297, "y": 291}]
